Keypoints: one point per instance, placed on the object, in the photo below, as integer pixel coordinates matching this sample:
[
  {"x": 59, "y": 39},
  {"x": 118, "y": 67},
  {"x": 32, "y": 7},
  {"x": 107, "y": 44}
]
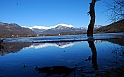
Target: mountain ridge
[
  {"x": 113, "y": 27},
  {"x": 14, "y": 30},
  {"x": 60, "y": 28},
  {"x": 49, "y": 27}
]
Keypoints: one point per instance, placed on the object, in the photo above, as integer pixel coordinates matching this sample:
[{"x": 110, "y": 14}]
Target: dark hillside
[
  {"x": 14, "y": 30},
  {"x": 114, "y": 27},
  {"x": 13, "y": 47}
]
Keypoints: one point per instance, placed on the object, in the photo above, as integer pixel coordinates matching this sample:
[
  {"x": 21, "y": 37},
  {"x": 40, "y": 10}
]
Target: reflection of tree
[
  {"x": 1, "y": 44},
  {"x": 118, "y": 52},
  {"x": 12, "y": 47},
  {"x": 117, "y": 56},
  {"x": 116, "y": 60},
  {"x": 94, "y": 54}
]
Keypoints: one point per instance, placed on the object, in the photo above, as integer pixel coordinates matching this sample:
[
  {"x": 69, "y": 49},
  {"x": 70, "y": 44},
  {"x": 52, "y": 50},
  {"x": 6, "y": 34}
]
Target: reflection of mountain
[
  {"x": 119, "y": 41},
  {"x": 12, "y": 47},
  {"x": 57, "y": 44},
  {"x": 98, "y": 41}
]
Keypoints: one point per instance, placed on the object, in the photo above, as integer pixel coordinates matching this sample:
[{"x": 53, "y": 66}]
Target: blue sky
[{"x": 51, "y": 12}]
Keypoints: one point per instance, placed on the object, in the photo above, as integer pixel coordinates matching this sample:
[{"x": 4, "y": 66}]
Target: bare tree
[
  {"x": 116, "y": 9},
  {"x": 92, "y": 21}
]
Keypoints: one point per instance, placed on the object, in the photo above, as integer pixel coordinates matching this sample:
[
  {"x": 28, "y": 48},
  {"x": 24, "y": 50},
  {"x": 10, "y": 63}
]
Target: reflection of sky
[
  {"x": 64, "y": 55},
  {"x": 104, "y": 54},
  {"x": 55, "y": 56}
]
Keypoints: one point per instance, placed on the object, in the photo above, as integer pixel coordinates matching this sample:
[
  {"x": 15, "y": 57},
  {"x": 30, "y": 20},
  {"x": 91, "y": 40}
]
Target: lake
[{"x": 61, "y": 56}]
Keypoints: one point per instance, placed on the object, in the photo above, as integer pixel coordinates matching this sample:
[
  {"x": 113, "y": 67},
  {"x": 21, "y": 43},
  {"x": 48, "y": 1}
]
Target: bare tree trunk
[{"x": 92, "y": 21}]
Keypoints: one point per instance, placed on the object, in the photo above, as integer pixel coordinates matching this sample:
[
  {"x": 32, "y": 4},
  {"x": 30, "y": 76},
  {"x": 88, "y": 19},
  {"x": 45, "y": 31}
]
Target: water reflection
[
  {"x": 12, "y": 47},
  {"x": 51, "y": 64},
  {"x": 94, "y": 54},
  {"x": 75, "y": 71},
  {"x": 57, "y": 44},
  {"x": 55, "y": 70},
  {"x": 1, "y": 44},
  {"x": 119, "y": 41}
]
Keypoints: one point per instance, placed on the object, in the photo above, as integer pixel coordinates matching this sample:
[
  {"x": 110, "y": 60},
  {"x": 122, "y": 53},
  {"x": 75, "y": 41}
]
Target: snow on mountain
[
  {"x": 50, "y": 29},
  {"x": 44, "y": 27},
  {"x": 55, "y": 29},
  {"x": 97, "y": 26},
  {"x": 59, "y": 28}
]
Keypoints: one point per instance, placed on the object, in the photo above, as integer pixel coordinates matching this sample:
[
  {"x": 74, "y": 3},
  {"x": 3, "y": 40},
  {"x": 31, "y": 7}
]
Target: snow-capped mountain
[
  {"x": 44, "y": 27},
  {"x": 97, "y": 26},
  {"x": 60, "y": 28},
  {"x": 56, "y": 29}
]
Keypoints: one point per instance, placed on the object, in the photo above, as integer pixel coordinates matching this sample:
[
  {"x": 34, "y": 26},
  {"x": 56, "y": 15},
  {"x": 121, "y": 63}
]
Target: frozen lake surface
[{"x": 19, "y": 57}]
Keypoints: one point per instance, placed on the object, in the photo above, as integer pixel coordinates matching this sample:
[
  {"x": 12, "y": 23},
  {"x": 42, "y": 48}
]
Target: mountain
[
  {"x": 114, "y": 27},
  {"x": 14, "y": 30},
  {"x": 38, "y": 31},
  {"x": 58, "y": 29},
  {"x": 97, "y": 27}
]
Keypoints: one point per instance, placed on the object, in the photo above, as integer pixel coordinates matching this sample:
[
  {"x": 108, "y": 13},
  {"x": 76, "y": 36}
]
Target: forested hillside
[{"x": 114, "y": 27}]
